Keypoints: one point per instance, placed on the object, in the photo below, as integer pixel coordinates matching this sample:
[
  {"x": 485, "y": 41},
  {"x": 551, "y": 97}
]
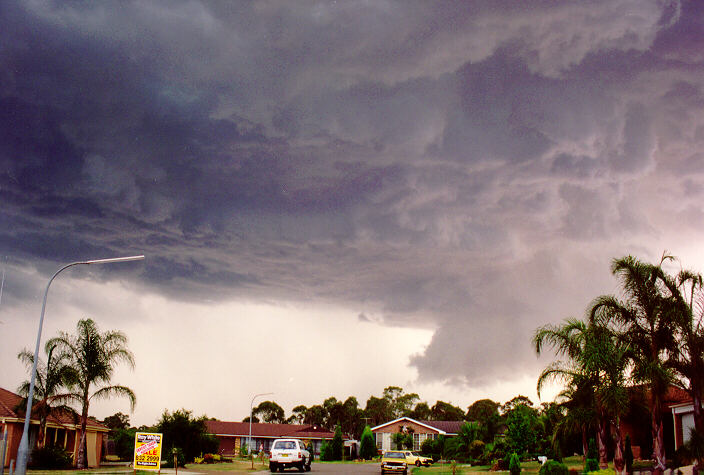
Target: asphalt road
[{"x": 348, "y": 468}]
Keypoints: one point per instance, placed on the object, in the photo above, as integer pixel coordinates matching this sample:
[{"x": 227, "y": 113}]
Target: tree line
[{"x": 627, "y": 350}]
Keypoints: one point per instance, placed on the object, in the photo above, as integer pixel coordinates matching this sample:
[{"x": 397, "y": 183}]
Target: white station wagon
[{"x": 287, "y": 453}]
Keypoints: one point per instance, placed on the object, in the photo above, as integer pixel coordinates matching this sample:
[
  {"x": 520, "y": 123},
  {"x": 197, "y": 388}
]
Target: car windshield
[
  {"x": 416, "y": 454},
  {"x": 395, "y": 455},
  {"x": 285, "y": 444}
]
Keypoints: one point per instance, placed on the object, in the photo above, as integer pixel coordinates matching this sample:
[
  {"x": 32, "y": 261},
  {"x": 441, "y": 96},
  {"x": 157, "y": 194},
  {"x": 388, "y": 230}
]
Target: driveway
[{"x": 348, "y": 468}]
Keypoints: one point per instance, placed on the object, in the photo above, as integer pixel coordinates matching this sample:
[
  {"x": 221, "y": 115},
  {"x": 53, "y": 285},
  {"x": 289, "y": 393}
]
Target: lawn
[{"x": 534, "y": 466}]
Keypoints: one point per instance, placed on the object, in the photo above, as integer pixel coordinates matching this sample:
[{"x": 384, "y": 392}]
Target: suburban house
[
  {"x": 233, "y": 435},
  {"x": 62, "y": 430},
  {"x": 421, "y": 430}
]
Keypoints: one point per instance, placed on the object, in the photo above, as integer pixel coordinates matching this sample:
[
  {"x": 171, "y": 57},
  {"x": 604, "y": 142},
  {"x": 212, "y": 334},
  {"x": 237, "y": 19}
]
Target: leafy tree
[
  {"x": 117, "y": 421},
  {"x": 553, "y": 467},
  {"x": 444, "y": 411},
  {"x": 93, "y": 356},
  {"x": 486, "y": 413},
  {"x": 315, "y": 415},
  {"x": 521, "y": 423},
  {"x": 182, "y": 430},
  {"x": 124, "y": 442},
  {"x": 378, "y": 410},
  {"x": 270, "y": 412},
  {"x": 49, "y": 386},
  {"x": 298, "y": 414},
  {"x": 421, "y": 412},
  {"x": 337, "y": 443},
  {"x": 367, "y": 449}
]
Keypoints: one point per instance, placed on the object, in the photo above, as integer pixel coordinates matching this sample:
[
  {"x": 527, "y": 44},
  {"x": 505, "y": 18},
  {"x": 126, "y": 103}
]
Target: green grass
[{"x": 530, "y": 467}]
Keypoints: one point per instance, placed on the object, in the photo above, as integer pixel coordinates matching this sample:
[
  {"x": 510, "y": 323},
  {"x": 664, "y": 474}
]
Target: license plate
[{"x": 284, "y": 455}]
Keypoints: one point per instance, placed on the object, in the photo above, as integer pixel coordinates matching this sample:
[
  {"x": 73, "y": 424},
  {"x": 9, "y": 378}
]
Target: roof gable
[{"x": 442, "y": 427}]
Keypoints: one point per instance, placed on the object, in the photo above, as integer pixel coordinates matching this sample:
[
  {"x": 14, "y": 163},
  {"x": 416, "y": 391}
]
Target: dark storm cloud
[{"x": 417, "y": 161}]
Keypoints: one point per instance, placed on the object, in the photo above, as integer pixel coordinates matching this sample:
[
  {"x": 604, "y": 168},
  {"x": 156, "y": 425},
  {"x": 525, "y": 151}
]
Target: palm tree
[
  {"x": 688, "y": 360},
  {"x": 644, "y": 320},
  {"x": 51, "y": 377},
  {"x": 93, "y": 356},
  {"x": 570, "y": 339}
]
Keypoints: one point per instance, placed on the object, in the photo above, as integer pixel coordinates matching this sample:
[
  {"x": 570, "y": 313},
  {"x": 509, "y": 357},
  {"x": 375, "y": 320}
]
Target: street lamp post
[
  {"x": 249, "y": 440},
  {"x": 23, "y": 449}
]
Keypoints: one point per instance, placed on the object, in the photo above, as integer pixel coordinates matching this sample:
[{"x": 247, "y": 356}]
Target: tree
[
  {"x": 50, "y": 381},
  {"x": 298, "y": 414},
  {"x": 336, "y": 444},
  {"x": 367, "y": 449},
  {"x": 117, "y": 421},
  {"x": 270, "y": 412},
  {"x": 93, "y": 357},
  {"x": 378, "y": 410},
  {"x": 688, "y": 359},
  {"x": 183, "y": 431},
  {"x": 444, "y": 411},
  {"x": 646, "y": 318},
  {"x": 574, "y": 340},
  {"x": 315, "y": 415},
  {"x": 521, "y": 426},
  {"x": 486, "y": 413},
  {"x": 421, "y": 412}
]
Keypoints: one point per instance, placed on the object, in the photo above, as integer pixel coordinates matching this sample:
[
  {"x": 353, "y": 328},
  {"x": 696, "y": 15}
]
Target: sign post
[{"x": 147, "y": 451}]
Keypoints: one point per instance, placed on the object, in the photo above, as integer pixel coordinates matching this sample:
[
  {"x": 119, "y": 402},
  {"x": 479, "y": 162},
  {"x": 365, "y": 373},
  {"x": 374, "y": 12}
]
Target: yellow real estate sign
[{"x": 147, "y": 451}]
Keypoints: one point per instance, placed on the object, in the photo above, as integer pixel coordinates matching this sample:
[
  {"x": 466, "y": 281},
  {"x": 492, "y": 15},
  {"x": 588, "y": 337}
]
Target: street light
[
  {"x": 24, "y": 442},
  {"x": 249, "y": 441}
]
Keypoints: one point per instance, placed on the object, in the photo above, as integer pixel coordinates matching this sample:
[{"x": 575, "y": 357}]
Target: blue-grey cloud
[{"x": 416, "y": 162}]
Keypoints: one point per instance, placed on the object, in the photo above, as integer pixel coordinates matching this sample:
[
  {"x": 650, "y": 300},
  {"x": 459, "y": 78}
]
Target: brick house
[
  {"x": 233, "y": 435},
  {"x": 62, "y": 430},
  {"x": 421, "y": 430}
]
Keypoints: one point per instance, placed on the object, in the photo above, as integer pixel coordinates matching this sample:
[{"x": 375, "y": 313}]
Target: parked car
[
  {"x": 394, "y": 461},
  {"x": 286, "y": 453},
  {"x": 414, "y": 458}
]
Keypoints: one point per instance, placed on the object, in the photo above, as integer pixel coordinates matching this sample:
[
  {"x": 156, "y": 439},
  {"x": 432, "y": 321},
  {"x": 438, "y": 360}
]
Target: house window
[{"x": 379, "y": 439}]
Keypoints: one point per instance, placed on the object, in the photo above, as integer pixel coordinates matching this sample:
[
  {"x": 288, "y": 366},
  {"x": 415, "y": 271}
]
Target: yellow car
[
  {"x": 414, "y": 458},
  {"x": 394, "y": 461}
]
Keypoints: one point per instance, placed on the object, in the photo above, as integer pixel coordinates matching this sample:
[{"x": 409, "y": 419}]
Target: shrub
[
  {"x": 51, "y": 458},
  {"x": 310, "y": 450},
  {"x": 553, "y": 467},
  {"x": 367, "y": 449},
  {"x": 325, "y": 451},
  {"x": 628, "y": 455},
  {"x": 591, "y": 464},
  {"x": 243, "y": 450},
  {"x": 476, "y": 449},
  {"x": 208, "y": 458},
  {"x": 337, "y": 444},
  {"x": 180, "y": 458},
  {"x": 514, "y": 464}
]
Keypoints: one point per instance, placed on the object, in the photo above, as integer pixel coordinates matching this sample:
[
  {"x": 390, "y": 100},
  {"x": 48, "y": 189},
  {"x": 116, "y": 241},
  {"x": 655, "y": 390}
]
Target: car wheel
[
  {"x": 417, "y": 463},
  {"x": 272, "y": 467},
  {"x": 302, "y": 466},
  {"x": 405, "y": 472},
  {"x": 308, "y": 466}
]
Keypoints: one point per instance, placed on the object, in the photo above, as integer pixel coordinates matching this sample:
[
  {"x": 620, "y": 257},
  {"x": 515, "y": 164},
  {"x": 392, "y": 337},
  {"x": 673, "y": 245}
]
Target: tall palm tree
[
  {"x": 570, "y": 339},
  {"x": 93, "y": 356},
  {"x": 645, "y": 319},
  {"x": 51, "y": 378},
  {"x": 688, "y": 360}
]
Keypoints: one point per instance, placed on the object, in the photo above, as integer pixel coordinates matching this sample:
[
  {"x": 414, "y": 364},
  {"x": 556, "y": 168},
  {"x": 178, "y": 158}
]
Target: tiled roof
[
  {"x": 450, "y": 427},
  {"x": 9, "y": 401},
  {"x": 303, "y": 431}
]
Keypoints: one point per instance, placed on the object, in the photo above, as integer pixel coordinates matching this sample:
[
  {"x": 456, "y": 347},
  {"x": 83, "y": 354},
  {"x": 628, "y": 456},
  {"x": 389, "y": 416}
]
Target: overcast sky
[{"x": 334, "y": 197}]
